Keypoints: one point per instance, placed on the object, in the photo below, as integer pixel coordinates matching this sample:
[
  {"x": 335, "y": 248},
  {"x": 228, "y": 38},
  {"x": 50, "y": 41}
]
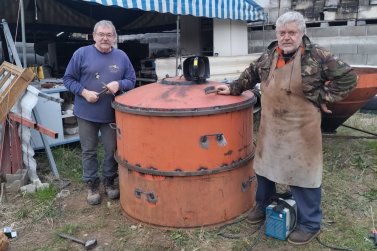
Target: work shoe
[
  {"x": 93, "y": 197},
  {"x": 110, "y": 189},
  {"x": 299, "y": 237},
  {"x": 256, "y": 216}
]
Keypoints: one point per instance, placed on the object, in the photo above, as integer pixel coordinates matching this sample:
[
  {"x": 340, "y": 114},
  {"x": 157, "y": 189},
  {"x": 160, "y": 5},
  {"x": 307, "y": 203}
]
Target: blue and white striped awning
[{"x": 247, "y": 10}]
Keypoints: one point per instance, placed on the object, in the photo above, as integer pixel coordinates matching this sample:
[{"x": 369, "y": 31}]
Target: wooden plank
[
  {"x": 13, "y": 83},
  {"x": 33, "y": 125},
  {"x": 5, "y": 166}
]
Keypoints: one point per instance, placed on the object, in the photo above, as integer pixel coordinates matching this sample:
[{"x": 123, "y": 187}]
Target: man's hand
[
  {"x": 113, "y": 87},
  {"x": 323, "y": 105},
  {"x": 223, "y": 89},
  {"x": 90, "y": 96},
  {"x": 325, "y": 109}
]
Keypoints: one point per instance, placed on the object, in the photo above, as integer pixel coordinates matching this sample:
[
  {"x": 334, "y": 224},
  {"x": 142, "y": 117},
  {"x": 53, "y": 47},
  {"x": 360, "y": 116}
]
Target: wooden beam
[{"x": 33, "y": 125}]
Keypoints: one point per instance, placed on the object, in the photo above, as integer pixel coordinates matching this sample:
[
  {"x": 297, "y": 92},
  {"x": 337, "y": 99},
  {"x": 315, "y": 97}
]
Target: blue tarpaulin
[{"x": 246, "y": 10}]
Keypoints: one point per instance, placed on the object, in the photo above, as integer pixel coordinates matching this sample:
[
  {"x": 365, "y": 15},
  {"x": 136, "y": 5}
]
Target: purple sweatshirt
[{"x": 90, "y": 69}]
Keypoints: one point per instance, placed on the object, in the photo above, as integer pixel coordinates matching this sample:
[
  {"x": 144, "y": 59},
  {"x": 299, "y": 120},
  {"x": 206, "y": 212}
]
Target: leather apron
[{"x": 289, "y": 147}]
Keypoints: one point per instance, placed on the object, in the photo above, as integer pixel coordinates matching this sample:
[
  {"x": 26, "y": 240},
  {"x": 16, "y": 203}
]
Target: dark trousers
[
  {"x": 308, "y": 200},
  {"x": 88, "y": 132}
]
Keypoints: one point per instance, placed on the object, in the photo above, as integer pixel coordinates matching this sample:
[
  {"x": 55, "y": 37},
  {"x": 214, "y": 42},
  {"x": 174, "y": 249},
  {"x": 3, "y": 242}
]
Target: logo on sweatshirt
[{"x": 113, "y": 68}]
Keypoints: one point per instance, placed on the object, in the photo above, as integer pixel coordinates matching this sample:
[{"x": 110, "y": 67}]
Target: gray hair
[
  {"x": 292, "y": 17},
  {"x": 105, "y": 23}
]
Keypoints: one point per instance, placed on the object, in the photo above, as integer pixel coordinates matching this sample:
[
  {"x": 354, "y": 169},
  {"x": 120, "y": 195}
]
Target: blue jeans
[
  {"x": 308, "y": 201},
  {"x": 88, "y": 132}
]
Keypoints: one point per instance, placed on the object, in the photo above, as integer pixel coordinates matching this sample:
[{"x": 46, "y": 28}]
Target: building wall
[
  {"x": 323, "y": 10},
  {"x": 354, "y": 44},
  {"x": 347, "y": 27},
  {"x": 229, "y": 38}
]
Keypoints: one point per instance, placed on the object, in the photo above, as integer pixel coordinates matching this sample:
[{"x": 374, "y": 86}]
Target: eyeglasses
[
  {"x": 102, "y": 35},
  {"x": 290, "y": 33}
]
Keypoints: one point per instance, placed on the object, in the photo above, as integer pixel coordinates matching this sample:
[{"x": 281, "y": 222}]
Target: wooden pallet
[{"x": 13, "y": 82}]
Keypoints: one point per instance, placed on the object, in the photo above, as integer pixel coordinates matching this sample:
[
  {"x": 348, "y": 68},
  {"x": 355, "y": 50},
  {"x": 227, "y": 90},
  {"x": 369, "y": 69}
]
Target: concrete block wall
[
  {"x": 322, "y": 10},
  {"x": 356, "y": 45}
]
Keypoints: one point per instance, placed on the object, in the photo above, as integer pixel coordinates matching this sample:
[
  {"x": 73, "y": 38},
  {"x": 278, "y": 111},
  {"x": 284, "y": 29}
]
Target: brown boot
[
  {"x": 299, "y": 237},
  {"x": 256, "y": 216},
  {"x": 93, "y": 197}
]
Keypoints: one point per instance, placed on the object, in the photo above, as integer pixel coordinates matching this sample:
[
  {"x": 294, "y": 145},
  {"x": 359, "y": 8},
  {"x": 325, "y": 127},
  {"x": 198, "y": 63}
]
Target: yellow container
[{"x": 40, "y": 73}]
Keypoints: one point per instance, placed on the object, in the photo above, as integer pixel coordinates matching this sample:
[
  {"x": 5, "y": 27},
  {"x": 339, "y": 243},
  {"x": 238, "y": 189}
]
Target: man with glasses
[
  {"x": 95, "y": 74},
  {"x": 298, "y": 78}
]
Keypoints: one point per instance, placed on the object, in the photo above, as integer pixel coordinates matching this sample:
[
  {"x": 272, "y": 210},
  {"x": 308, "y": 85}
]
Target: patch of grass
[
  {"x": 71, "y": 229},
  {"x": 39, "y": 205},
  {"x": 349, "y": 189},
  {"x": 23, "y": 213},
  {"x": 125, "y": 233},
  {"x": 371, "y": 194},
  {"x": 45, "y": 194},
  {"x": 352, "y": 236},
  {"x": 44, "y": 248},
  {"x": 240, "y": 245},
  {"x": 68, "y": 161},
  {"x": 359, "y": 162},
  {"x": 100, "y": 222},
  {"x": 372, "y": 144},
  {"x": 179, "y": 237}
]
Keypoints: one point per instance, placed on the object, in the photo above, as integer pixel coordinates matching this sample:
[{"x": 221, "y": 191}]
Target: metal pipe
[
  {"x": 23, "y": 33},
  {"x": 10, "y": 44},
  {"x": 264, "y": 36},
  {"x": 177, "y": 53}
]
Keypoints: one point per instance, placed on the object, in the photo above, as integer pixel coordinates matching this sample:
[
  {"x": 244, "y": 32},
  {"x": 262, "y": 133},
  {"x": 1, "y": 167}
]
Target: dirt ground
[
  {"x": 74, "y": 216},
  {"x": 105, "y": 222},
  {"x": 349, "y": 193},
  {"x": 113, "y": 231}
]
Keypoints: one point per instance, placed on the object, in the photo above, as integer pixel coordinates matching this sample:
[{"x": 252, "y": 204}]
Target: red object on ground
[{"x": 10, "y": 148}]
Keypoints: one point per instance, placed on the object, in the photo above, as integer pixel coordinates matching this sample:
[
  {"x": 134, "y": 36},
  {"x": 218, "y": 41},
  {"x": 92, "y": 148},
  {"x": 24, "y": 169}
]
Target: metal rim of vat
[
  {"x": 180, "y": 173},
  {"x": 185, "y": 112}
]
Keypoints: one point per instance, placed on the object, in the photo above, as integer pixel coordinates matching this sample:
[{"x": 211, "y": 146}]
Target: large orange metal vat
[
  {"x": 365, "y": 90},
  {"x": 185, "y": 158}
]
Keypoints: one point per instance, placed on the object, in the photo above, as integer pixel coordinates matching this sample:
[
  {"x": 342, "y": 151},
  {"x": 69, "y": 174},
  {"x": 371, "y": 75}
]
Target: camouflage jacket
[{"x": 318, "y": 66}]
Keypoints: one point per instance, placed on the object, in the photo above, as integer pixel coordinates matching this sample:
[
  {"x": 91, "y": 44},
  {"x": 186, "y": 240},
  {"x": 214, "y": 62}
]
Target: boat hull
[{"x": 365, "y": 90}]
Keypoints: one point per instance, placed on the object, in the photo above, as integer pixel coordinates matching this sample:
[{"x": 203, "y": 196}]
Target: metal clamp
[
  {"x": 220, "y": 139},
  {"x": 246, "y": 184},
  {"x": 182, "y": 173},
  {"x": 151, "y": 196}
]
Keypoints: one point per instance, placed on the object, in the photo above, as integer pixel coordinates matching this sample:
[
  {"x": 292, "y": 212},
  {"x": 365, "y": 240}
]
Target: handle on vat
[
  {"x": 246, "y": 184},
  {"x": 151, "y": 196},
  {"x": 220, "y": 139},
  {"x": 114, "y": 127}
]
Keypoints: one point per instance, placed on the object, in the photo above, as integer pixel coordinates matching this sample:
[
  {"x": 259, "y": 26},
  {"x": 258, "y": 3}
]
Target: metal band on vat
[
  {"x": 185, "y": 112},
  {"x": 180, "y": 173}
]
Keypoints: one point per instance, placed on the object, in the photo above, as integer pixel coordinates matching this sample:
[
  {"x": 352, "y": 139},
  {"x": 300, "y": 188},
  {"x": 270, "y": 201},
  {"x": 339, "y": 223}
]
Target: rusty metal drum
[{"x": 185, "y": 158}]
